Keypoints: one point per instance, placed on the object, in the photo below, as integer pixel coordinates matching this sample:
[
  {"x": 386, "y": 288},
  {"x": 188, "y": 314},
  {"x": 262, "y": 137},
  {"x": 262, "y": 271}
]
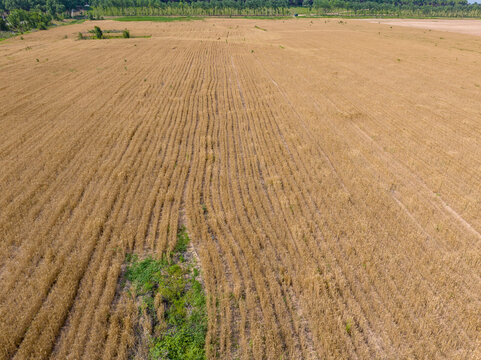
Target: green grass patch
[
  {"x": 158, "y": 18},
  {"x": 184, "y": 317}
]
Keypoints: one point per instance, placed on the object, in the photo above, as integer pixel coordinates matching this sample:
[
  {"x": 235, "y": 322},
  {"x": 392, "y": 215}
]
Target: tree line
[
  {"x": 406, "y": 8},
  {"x": 59, "y": 6}
]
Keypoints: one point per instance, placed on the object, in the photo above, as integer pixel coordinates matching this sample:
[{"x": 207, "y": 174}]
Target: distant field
[
  {"x": 327, "y": 174},
  {"x": 470, "y": 27}
]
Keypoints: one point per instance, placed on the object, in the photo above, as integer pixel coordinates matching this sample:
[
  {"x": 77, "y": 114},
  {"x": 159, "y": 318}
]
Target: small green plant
[
  {"x": 348, "y": 327},
  {"x": 80, "y": 36},
  {"x": 126, "y": 34}
]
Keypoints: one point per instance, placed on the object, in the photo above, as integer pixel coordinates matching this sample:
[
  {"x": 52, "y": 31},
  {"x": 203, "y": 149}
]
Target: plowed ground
[{"x": 329, "y": 176}]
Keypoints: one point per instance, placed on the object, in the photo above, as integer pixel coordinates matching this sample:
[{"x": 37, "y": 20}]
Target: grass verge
[{"x": 168, "y": 290}]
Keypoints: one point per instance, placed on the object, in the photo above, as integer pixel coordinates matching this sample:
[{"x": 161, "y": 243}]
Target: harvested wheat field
[{"x": 328, "y": 174}]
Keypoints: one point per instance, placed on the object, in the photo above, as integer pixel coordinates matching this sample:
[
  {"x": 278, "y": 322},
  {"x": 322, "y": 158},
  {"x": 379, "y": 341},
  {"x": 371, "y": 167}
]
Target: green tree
[
  {"x": 18, "y": 4},
  {"x": 54, "y": 7}
]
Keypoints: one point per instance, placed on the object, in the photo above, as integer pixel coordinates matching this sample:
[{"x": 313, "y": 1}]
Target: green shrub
[
  {"x": 126, "y": 34},
  {"x": 348, "y": 327},
  {"x": 98, "y": 33}
]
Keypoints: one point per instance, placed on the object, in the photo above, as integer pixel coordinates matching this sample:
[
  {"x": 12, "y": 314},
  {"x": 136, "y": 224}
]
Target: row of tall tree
[
  {"x": 59, "y": 6},
  {"x": 271, "y": 3},
  {"x": 408, "y": 8}
]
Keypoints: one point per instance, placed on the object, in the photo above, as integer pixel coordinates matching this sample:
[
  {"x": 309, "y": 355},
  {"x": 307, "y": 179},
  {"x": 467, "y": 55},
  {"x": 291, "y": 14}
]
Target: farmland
[{"x": 328, "y": 174}]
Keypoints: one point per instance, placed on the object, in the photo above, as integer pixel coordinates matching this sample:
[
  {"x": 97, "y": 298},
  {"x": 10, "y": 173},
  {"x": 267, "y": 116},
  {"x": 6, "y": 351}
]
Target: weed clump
[{"x": 170, "y": 292}]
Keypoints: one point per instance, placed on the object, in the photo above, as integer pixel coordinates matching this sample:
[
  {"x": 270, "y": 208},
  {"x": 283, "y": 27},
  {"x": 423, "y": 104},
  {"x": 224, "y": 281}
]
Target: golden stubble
[{"x": 328, "y": 174}]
